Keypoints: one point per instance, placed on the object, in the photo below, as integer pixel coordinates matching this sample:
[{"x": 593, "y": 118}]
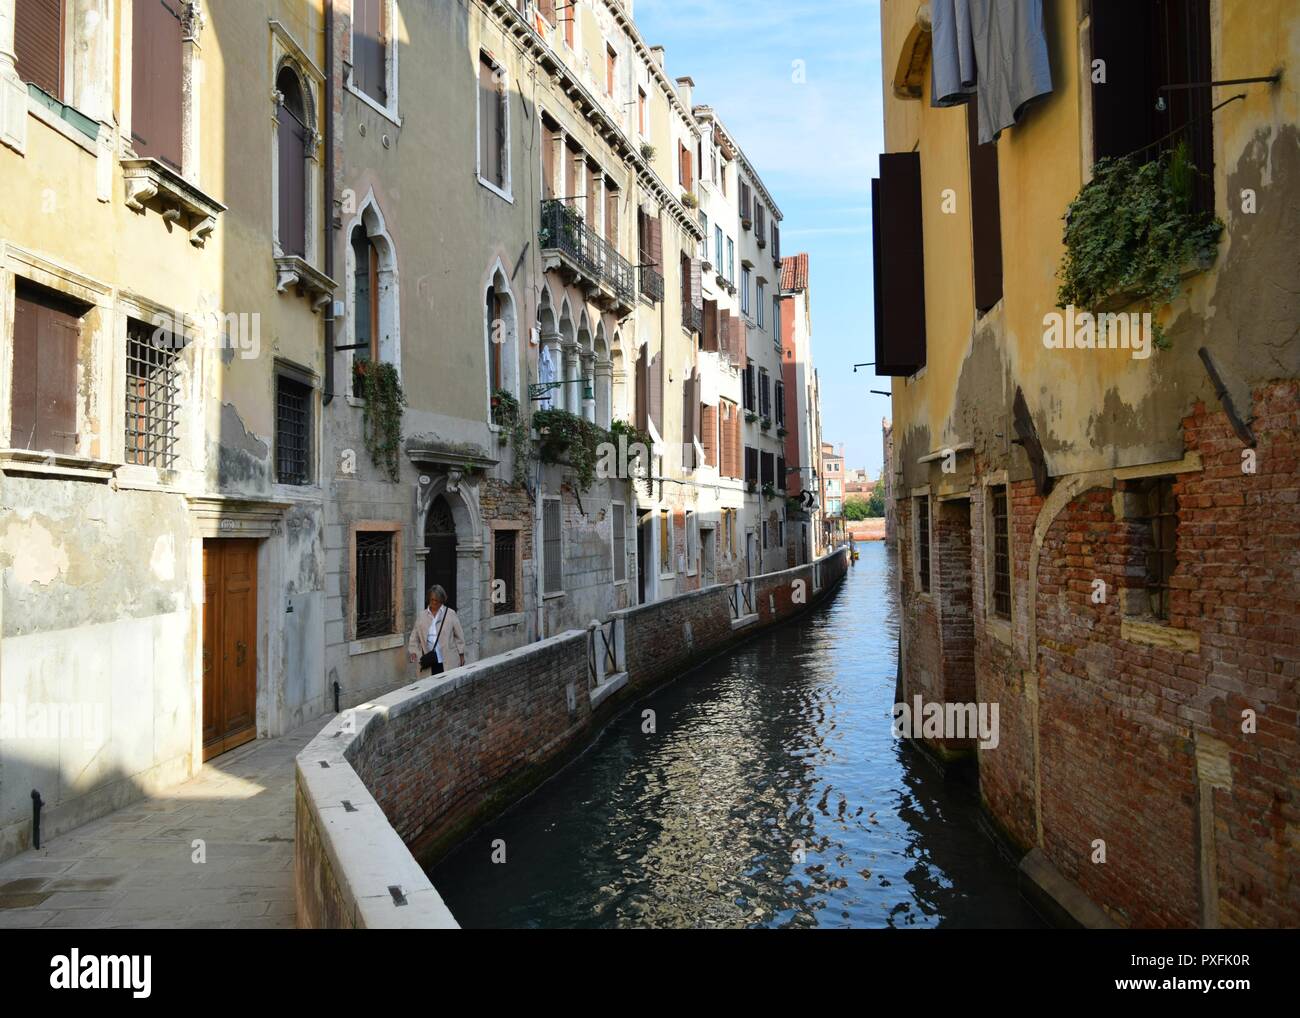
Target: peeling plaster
[{"x": 34, "y": 554}]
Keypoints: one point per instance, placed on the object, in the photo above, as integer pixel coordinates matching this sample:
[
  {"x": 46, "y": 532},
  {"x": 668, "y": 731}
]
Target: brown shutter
[
  {"x": 548, "y": 162},
  {"x": 688, "y": 417},
  {"x": 709, "y": 434},
  {"x": 710, "y": 330},
  {"x": 291, "y": 140},
  {"x": 643, "y": 388},
  {"x": 156, "y": 41},
  {"x": 739, "y": 339},
  {"x": 735, "y": 441},
  {"x": 38, "y": 44},
  {"x": 611, "y": 217},
  {"x": 657, "y": 244},
  {"x": 986, "y": 217},
  {"x": 656, "y": 393},
  {"x": 47, "y": 332},
  {"x": 688, "y": 161},
  {"x": 369, "y": 48},
  {"x": 899, "y": 265},
  {"x": 696, "y": 415}
]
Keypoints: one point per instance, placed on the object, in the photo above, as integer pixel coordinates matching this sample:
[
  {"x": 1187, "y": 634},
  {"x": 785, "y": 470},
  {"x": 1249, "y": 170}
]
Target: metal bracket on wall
[
  {"x": 1028, "y": 440},
  {"x": 1241, "y": 427}
]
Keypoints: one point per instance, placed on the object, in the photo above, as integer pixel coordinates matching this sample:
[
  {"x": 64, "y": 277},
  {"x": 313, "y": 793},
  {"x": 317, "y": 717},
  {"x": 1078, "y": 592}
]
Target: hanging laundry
[
  {"x": 1010, "y": 45},
  {"x": 952, "y": 53}
]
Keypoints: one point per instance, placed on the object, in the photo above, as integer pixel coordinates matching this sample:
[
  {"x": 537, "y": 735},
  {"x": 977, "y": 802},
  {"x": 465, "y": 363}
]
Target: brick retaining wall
[{"x": 414, "y": 771}]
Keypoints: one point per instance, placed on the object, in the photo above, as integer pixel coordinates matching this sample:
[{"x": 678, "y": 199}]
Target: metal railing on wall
[{"x": 563, "y": 229}]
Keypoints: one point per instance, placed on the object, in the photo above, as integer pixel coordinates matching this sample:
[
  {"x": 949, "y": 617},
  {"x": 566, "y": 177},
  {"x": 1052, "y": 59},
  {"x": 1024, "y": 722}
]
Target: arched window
[
  {"x": 370, "y": 272},
  {"x": 365, "y": 296},
  {"x": 293, "y": 140},
  {"x": 500, "y": 334}
]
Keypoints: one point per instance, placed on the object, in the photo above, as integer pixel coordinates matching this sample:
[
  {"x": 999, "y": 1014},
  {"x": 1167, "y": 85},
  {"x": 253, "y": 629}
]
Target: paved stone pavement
[{"x": 133, "y": 868}]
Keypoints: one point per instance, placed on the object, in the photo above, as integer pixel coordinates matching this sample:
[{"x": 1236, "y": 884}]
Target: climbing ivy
[
  {"x": 1133, "y": 230},
  {"x": 568, "y": 438},
  {"x": 514, "y": 425},
  {"x": 381, "y": 422}
]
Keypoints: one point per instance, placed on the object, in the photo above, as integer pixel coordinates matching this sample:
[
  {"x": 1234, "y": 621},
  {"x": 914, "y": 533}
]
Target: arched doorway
[{"x": 440, "y": 540}]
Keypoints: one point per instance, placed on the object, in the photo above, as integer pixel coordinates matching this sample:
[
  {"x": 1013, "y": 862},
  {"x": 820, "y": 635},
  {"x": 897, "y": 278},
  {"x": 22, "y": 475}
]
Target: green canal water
[{"x": 771, "y": 793}]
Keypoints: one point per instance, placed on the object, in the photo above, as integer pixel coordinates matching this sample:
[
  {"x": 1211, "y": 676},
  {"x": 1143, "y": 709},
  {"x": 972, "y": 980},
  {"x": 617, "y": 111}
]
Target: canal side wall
[{"x": 412, "y": 772}]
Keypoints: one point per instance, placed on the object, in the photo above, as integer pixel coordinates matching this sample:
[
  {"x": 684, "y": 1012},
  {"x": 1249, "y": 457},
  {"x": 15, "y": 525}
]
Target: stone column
[
  {"x": 588, "y": 402},
  {"x": 568, "y": 371},
  {"x": 604, "y": 383},
  {"x": 13, "y": 93}
]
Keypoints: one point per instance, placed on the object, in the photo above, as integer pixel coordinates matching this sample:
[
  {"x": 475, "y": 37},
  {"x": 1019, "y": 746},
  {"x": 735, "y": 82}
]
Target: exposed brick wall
[{"x": 1108, "y": 747}]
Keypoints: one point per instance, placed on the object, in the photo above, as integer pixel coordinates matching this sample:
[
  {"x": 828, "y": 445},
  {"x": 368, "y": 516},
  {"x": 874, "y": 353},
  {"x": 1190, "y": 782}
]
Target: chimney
[
  {"x": 658, "y": 53},
  {"x": 685, "y": 89}
]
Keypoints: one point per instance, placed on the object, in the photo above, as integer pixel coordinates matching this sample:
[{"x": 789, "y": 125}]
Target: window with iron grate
[
  {"x": 552, "y": 549},
  {"x": 292, "y": 431},
  {"x": 505, "y": 544},
  {"x": 376, "y": 615},
  {"x": 922, "y": 504},
  {"x": 1001, "y": 553},
  {"x": 152, "y": 396},
  {"x": 620, "y": 542}
]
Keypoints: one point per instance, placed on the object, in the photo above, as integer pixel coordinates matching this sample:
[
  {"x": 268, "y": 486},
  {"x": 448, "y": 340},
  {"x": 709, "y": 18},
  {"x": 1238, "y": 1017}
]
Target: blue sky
[{"x": 815, "y": 145}]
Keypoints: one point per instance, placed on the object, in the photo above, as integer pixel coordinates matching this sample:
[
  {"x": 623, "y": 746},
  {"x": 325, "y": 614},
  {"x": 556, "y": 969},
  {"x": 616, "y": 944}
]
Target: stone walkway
[{"x": 134, "y": 868}]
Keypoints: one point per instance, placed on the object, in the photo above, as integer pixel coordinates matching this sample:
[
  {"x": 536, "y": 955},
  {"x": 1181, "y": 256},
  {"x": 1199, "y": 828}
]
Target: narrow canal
[{"x": 770, "y": 793}]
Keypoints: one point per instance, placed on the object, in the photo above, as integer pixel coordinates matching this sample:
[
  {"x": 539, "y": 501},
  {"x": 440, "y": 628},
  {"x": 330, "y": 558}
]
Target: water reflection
[{"x": 771, "y": 793}]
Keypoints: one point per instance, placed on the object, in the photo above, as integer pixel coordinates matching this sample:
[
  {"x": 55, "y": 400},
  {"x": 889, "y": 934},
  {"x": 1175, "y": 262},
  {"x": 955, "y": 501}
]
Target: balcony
[
  {"x": 652, "y": 283},
  {"x": 585, "y": 257},
  {"x": 692, "y": 317}
]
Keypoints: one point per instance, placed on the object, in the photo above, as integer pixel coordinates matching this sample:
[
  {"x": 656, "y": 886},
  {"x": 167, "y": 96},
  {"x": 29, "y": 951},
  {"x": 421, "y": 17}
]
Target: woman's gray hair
[{"x": 438, "y": 592}]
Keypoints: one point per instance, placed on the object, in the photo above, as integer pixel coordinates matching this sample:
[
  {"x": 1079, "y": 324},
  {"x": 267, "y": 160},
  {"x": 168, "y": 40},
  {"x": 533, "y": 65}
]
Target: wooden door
[
  {"x": 229, "y": 645},
  {"x": 440, "y": 561}
]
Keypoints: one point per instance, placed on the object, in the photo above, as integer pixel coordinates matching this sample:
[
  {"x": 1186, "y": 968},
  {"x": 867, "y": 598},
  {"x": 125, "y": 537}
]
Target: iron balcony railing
[
  {"x": 652, "y": 283},
  {"x": 692, "y": 317},
  {"x": 563, "y": 229}
]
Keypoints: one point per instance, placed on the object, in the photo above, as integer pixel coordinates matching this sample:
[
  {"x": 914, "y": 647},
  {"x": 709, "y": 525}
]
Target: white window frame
[
  {"x": 508, "y": 192},
  {"x": 759, "y": 297}
]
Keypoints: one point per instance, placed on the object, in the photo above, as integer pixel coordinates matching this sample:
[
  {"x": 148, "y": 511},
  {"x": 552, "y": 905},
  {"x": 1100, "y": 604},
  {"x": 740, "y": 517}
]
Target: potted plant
[
  {"x": 769, "y": 490},
  {"x": 751, "y": 486},
  {"x": 647, "y": 151},
  {"x": 689, "y": 200},
  {"x": 782, "y": 431},
  {"x": 765, "y": 423},
  {"x": 750, "y": 417}
]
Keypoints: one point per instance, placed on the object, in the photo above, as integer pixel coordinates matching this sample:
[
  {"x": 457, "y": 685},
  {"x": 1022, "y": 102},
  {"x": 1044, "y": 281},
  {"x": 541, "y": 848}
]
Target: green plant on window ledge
[
  {"x": 769, "y": 490},
  {"x": 381, "y": 422},
  {"x": 567, "y": 438},
  {"x": 765, "y": 423},
  {"x": 750, "y": 417},
  {"x": 514, "y": 430},
  {"x": 781, "y": 431},
  {"x": 1133, "y": 231}
]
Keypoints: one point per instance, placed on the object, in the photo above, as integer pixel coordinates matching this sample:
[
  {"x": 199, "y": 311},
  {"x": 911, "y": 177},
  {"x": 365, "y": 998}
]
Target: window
[
  {"x": 1001, "y": 552},
  {"x": 776, "y": 243},
  {"x": 292, "y": 142},
  {"x": 986, "y": 215},
  {"x": 1158, "y": 530},
  {"x": 38, "y": 43},
  {"x": 495, "y": 318},
  {"x": 780, "y": 404},
  {"x": 762, "y": 297},
  {"x": 611, "y": 69},
  {"x": 764, "y": 393},
  {"x": 665, "y": 542},
  {"x": 744, "y": 290},
  {"x": 156, "y": 78},
  {"x": 618, "y": 514},
  {"x": 376, "y": 613},
  {"x": 704, "y": 241},
  {"x": 685, "y": 177},
  {"x": 370, "y": 48},
  {"x": 692, "y": 541},
  {"x": 493, "y": 142},
  {"x": 568, "y": 15},
  {"x": 293, "y": 413},
  {"x": 46, "y": 338},
  {"x": 922, "y": 503},
  {"x": 731, "y": 260},
  {"x": 768, "y": 471},
  {"x": 505, "y": 594},
  {"x": 152, "y": 396},
  {"x": 718, "y": 251},
  {"x": 751, "y": 465},
  {"x": 760, "y": 224},
  {"x": 552, "y": 546},
  {"x": 365, "y": 294},
  {"x": 747, "y": 387},
  {"x": 780, "y": 473},
  {"x": 776, "y": 320},
  {"x": 745, "y": 201},
  {"x": 1145, "y": 46}
]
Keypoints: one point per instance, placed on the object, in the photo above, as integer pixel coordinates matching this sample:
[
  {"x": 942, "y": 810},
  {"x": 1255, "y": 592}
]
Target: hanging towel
[
  {"x": 952, "y": 53},
  {"x": 1011, "y": 54}
]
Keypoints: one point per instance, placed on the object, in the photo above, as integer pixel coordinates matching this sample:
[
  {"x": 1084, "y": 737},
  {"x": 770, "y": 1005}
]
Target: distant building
[{"x": 887, "y": 475}]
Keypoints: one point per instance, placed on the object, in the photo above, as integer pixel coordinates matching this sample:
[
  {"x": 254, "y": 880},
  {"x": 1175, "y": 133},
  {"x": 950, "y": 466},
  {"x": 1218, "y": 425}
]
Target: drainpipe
[
  {"x": 328, "y": 395},
  {"x": 37, "y": 803}
]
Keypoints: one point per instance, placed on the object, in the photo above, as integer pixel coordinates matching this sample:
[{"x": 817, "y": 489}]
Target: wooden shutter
[
  {"x": 156, "y": 56},
  {"x": 643, "y": 388},
  {"x": 291, "y": 141},
  {"x": 491, "y": 131},
  {"x": 47, "y": 333},
  {"x": 656, "y": 243},
  {"x": 38, "y": 44},
  {"x": 697, "y": 285},
  {"x": 611, "y": 215},
  {"x": 656, "y": 392},
  {"x": 986, "y": 216},
  {"x": 369, "y": 48},
  {"x": 549, "y": 139},
  {"x": 780, "y": 473},
  {"x": 899, "y": 265},
  {"x": 709, "y": 434},
  {"x": 744, "y": 201},
  {"x": 688, "y": 418},
  {"x": 710, "y": 329},
  {"x": 739, "y": 339}
]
